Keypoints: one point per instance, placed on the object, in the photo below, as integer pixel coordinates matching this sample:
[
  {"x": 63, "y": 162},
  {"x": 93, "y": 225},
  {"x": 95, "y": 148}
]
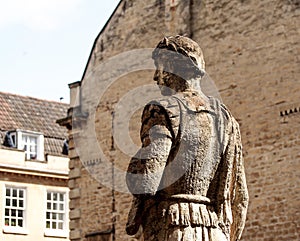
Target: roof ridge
[{"x": 33, "y": 98}]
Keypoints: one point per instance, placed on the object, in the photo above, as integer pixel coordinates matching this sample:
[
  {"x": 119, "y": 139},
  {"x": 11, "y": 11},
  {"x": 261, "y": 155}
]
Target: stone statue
[{"x": 188, "y": 178}]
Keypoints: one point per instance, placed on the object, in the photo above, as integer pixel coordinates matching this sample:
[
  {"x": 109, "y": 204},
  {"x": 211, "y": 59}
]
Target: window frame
[
  {"x": 50, "y": 232},
  {"x": 15, "y": 229},
  {"x": 13, "y": 136}
]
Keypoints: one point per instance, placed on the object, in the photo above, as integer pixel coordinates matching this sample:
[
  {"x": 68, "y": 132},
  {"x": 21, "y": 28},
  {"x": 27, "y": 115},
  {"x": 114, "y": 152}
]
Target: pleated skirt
[{"x": 181, "y": 222}]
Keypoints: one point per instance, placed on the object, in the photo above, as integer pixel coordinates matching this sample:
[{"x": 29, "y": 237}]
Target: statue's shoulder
[
  {"x": 165, "y": 102},
  {"x": 164, "y": 106},
  {"x": 163, "y": 111}
]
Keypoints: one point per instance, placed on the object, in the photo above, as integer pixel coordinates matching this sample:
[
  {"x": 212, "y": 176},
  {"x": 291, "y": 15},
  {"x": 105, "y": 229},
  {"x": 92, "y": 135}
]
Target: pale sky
[{"x": 45, "y": 44}]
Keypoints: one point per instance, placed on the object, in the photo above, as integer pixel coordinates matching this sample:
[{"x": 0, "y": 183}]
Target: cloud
[{"x": 37, "y": 14}]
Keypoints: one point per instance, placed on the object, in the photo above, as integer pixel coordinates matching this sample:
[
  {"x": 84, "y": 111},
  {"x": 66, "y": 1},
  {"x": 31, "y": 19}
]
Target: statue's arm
[
  {"x": 146, "y": 167},
  {"x": 233, "y": 194},
  {"x": 239, "y": 193}
]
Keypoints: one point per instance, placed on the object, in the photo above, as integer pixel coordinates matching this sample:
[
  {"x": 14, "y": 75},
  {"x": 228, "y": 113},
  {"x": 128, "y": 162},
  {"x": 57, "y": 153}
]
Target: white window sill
[
  {"x": 15, "y": 230},
  {"x": 56, "y": 233}
]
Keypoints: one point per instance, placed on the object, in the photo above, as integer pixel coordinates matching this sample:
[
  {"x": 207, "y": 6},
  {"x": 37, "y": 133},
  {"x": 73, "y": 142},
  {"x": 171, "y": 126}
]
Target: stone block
[
  {"x": 74, "y": 193},
  {"x": 75, "y": 214},
  {"x": 74, "y": 173}
]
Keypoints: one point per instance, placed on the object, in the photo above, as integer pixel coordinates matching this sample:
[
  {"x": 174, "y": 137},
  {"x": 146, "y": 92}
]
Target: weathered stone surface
[
  {"x": 252, "y": 54},
  {"x": 75, "y": 235},
  {"x": 74, "y": 193},
  {"x": 74, "y": 173},
  {"x": 194, "y": 171},
  {"x": 75, "y": 214}
]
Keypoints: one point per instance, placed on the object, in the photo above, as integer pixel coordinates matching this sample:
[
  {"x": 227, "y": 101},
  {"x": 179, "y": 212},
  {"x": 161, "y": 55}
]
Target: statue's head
[{"x": 179, "y": 64}]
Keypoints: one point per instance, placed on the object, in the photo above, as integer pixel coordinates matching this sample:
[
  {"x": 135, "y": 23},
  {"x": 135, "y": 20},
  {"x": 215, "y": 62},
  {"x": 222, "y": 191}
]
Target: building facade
[
  {"x": 33, "y": 170},
  {"x": 251, "y": 49}
]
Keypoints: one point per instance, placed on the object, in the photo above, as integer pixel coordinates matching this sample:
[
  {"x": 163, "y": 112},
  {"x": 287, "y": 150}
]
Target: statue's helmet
[{"x": 183, "y": 46}]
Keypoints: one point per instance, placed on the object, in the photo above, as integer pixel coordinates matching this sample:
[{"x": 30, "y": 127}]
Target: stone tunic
[{"x": 188, "y": 178}]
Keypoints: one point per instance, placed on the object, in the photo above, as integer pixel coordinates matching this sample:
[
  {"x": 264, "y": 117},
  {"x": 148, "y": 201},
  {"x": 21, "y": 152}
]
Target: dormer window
[{"x": 31, "y": 142}]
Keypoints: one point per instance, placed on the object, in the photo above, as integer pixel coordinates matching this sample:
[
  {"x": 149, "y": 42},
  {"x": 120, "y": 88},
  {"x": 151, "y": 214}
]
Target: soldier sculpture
[{"x": 188, "y": 178}]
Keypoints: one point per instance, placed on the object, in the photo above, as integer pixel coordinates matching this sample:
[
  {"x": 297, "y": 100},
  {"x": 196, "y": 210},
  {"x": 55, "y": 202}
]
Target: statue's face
[{"x": 165, "y": 77}]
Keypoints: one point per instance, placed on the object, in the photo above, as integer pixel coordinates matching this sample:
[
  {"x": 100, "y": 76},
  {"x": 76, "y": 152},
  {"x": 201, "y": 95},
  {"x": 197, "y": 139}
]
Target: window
[
  {"x": 56, "y": 214},
  {"x": 14, "y": 211},
  {"x": 30, "y": 146},
  {"x": 31, "y": 142}
]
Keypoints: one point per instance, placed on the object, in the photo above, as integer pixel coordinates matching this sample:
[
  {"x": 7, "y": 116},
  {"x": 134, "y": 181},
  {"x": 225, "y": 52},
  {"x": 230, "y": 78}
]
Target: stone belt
[{"x": 190, "y": 198}]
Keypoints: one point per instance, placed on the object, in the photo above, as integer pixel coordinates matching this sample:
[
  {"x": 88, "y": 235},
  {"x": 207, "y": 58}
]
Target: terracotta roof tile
[{"x": 32, "y": 114}]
